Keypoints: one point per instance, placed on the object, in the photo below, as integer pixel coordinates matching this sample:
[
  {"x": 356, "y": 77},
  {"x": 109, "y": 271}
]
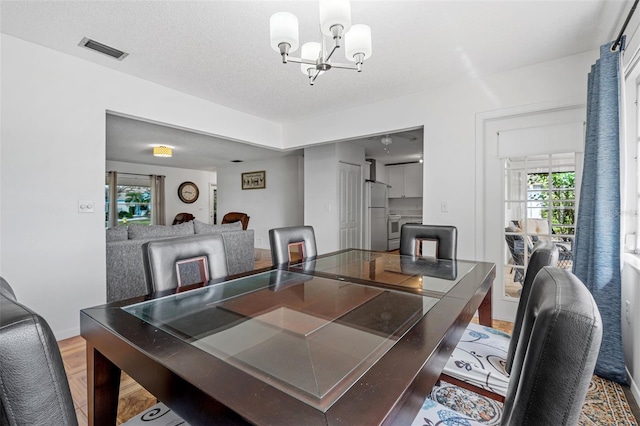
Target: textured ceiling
[{"x": 219, "y": 51}]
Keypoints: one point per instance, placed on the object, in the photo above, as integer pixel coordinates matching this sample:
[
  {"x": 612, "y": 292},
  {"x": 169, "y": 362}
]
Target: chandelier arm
[
  {"x": 301, "y": 61},
  {"x": 345, "y": 66},
  {"x": 331, "y": 53}
]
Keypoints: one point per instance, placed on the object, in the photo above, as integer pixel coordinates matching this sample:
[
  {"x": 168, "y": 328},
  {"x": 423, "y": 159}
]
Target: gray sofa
[{"x": 125, "y": 272}]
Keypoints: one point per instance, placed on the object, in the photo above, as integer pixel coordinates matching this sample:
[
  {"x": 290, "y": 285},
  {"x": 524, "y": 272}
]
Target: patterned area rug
[{"x": 605, "y": 404}]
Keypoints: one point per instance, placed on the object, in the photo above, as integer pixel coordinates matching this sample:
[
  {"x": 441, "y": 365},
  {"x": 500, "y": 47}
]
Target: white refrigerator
[{"x": 375, "y": 216}]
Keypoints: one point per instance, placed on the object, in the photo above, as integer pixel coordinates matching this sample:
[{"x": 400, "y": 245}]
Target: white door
[
  {"x": 350, "y": 196},
  {"x": 499, "y": 144}
]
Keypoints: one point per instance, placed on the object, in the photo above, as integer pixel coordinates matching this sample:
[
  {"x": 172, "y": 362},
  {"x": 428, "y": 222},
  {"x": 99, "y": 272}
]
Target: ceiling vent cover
[{"x": 103, "y": 48}]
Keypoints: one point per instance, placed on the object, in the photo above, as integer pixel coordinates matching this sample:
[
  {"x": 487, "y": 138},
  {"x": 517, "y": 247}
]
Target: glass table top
[
  {"x": 307, "y": 335},
  {"x": 429, "y": 275}
]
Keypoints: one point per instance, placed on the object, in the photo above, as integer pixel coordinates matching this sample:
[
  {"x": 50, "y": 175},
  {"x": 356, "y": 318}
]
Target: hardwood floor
[{"x": 133, "y": 397}]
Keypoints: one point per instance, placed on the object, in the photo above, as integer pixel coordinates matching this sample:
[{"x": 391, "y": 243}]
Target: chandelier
[{"x": 335, "y": 22}]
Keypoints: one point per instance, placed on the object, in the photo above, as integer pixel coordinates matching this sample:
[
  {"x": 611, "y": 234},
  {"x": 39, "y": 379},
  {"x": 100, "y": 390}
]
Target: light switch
[
  {"x": 444, "y": 206},
  {"x": 85, "y": 206}
]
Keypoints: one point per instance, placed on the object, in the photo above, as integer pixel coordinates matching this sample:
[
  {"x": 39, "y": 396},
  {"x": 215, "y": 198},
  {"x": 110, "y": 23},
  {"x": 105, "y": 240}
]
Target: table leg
[
  {"x": 485, "y": 310},
  {"x": 103, "y": 387}
]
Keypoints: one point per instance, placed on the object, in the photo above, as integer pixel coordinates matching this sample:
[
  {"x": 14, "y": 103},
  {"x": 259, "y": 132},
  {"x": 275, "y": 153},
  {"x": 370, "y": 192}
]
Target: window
[
  {"x": 133, "y": 198},
  {"x": 540, "y": 203}
]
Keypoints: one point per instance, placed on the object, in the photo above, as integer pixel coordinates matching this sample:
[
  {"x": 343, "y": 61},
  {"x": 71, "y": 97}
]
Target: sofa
[{"x": 125, "y": 271}]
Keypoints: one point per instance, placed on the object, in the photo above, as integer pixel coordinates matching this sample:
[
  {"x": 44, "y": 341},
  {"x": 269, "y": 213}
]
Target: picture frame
[{"x": 254, "y": 180}]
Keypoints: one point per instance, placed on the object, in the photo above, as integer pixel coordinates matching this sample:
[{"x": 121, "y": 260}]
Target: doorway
[{"x": 514, "y": 142}]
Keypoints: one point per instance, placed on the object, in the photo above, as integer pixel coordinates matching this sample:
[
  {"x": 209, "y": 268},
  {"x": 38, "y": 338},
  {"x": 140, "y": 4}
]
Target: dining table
[{"x": 353, "y": 337}]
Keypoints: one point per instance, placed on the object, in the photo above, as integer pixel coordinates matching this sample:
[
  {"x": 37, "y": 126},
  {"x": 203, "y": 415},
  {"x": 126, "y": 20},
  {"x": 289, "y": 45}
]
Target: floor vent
[{"x": 103, "y": 48}]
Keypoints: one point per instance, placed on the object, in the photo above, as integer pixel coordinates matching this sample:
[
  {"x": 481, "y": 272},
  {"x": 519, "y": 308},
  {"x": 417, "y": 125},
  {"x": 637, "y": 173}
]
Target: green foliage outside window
[{"x": 559, "y": 199}]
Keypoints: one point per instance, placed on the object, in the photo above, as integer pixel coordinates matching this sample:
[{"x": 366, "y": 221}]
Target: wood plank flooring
[{"x": 133, "y": 397}]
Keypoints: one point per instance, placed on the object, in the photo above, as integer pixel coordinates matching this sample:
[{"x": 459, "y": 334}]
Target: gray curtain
[
  {"x": 597, "y": 245},
  {"x": 158, "y": 213},
  {"x": 112, "y": 181}
]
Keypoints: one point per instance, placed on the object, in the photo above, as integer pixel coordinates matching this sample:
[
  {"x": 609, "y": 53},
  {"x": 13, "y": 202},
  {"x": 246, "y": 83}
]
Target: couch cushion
[
  {"x": 205, "y": 228},
  {"x": 144, "y": 232},
  {"x": 117, "y": 233}
]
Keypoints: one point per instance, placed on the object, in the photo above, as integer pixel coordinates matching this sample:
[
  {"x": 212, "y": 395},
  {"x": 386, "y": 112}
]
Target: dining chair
[
  {"x": 283, "y": 241},
  {"x": 34, "y": 389},
  {"x": 554, "y": 359},
  {"x": 175, "y": 262},
  {"x": 413, "y": 236},
  {"x": 481, "y": 360},
  {"x": 182, "y": 218},
  {"x": 232, "y": 217}
]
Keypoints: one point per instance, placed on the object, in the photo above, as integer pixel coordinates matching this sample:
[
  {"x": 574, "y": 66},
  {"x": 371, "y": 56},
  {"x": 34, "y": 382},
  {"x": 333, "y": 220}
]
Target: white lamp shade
[
  {"x": 284, "y": 29},
  {"x": 310, "y": 51},
  {"x": 335, "y": 12},
  {"x": 358, "y": 40}
]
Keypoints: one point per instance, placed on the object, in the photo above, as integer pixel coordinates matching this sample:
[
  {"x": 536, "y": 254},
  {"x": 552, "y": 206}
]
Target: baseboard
[
  {"x": 65, "y": 334},
  {"x": 634, "y": 387}
]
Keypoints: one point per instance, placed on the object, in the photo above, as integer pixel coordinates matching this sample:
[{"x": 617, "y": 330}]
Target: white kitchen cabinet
[{"x": 405, "y": 180}]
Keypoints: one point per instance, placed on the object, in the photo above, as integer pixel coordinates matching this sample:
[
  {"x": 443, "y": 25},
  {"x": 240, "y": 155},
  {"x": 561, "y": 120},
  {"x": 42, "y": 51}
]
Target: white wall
[
  {"x": 279, "y": 204},
  {"x": 53, "y": 154},
  {"x": 173, "y": 178}
]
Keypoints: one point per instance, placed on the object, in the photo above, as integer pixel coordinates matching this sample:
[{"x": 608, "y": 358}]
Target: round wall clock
[{"x": 188, "y": 192}]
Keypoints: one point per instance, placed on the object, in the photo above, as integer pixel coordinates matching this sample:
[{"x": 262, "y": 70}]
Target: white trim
[{"x": 482, "y": 120}]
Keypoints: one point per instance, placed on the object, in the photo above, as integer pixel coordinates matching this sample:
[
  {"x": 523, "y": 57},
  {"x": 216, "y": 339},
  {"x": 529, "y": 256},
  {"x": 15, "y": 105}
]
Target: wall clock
[{"x": 188, "y": 192}]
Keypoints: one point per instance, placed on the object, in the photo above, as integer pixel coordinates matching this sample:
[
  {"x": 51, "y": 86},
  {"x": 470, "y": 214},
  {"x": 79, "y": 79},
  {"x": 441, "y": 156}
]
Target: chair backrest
[
  {"x": 446, "y": 238},
  {"x": 556, "y": 354},
  {"x": 33, "y": 384},
  {"x": 200, "y": 257},
  {"x": 182, "y": 218},
  {"x": 545, "y": 253},
  {"x": 281, "y": 241},
  {"x": 237, "y": 217}
]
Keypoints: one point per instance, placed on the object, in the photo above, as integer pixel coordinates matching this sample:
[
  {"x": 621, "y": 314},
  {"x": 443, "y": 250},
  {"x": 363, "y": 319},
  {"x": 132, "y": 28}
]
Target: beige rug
[{"x": 605, "y": 404}]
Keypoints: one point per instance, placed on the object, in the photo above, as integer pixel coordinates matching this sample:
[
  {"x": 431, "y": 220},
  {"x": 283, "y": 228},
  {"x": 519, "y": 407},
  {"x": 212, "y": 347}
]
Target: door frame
[{"x": 503, "y": 308}]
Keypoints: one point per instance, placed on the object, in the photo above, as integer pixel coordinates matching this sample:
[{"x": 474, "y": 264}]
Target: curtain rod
[
  {"x": 133, "y": 174},
  {"x": 618, "y": 41}
]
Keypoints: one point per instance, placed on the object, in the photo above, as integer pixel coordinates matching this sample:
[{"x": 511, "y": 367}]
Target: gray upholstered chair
[
  {"x": 554, "y": 359},
  {"x": 481, "y": 361},
  {"x": 446, "y": 238},
  {"x": 173, "y": 262},
  {"x": 282, "y": 240},
  {"x": 34, "y": 389},
  {"x": 33, "y": 384}
]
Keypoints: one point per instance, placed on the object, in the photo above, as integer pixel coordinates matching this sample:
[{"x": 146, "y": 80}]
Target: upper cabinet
[{"x": 405, "y": 180}]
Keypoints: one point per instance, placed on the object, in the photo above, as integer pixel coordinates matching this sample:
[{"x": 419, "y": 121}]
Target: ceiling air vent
[{"x": 103, "y": 48}]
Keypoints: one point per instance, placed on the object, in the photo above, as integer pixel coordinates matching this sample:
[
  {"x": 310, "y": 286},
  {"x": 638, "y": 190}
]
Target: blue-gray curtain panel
[{"x": 597, "y": 245}]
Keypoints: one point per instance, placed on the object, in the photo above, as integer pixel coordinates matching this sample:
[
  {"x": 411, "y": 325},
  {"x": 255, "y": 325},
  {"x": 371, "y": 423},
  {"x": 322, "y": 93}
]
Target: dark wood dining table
[{"x": 349, "y": 338}]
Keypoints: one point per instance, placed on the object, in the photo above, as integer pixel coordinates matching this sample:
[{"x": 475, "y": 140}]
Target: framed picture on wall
[{"x": 254, "y": 180}]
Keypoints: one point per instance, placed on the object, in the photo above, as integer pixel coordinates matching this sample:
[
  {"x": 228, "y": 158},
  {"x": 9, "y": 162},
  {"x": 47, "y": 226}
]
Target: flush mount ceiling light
[
  {"x": 335, "y": 22},
  {"x": 162, "y": 151},
  {"x": 386, "y": 140}
]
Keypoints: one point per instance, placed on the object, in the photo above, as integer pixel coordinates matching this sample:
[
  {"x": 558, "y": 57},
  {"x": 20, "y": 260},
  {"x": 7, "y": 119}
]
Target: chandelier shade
[
  {"x": 358, "y": 42},
  {"x": 333, "y": 13},
  {"x": 284, "y": 29},
  {"x": 310, "y": 52}
]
